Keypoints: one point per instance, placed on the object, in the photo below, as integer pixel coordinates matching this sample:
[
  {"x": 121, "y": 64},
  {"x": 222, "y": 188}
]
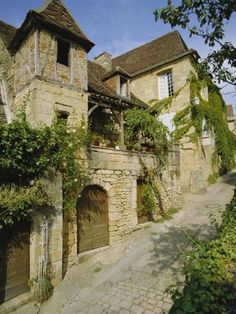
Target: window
[
  {"x": 123, "y": 87},
  {"x": 167, "y": 120},
  {"x": 165, "y": 85},
  {"x": 63, "y": 50},
  {"x": 62, "y": 117}
]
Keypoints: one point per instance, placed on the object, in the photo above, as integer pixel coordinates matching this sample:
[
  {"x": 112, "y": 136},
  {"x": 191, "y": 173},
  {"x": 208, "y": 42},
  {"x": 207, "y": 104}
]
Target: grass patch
[
  {"x": 169, "y": 214},
  {"x": 212, "y": 178},
  {"x": 97, "y": 269}
]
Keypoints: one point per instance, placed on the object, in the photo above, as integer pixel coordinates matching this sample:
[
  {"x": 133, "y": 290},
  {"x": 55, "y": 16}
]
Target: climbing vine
[
  {"x": 142, "y": 128},
  {"x": 29, "y": 155},
  {"x": 211, "y": 115}
]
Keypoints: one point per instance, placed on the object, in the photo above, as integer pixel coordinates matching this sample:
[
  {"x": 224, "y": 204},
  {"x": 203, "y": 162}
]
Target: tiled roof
[
  {"x": 53, "y": 16},
  {"x": 7, "y": 32},
  {"x": 96, "y": 86},
  {"x": 114, "y": 71},
  {"x": 156, "y": 52}
]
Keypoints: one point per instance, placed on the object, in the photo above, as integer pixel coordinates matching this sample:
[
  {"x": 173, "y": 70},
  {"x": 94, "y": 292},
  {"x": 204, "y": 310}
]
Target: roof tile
[{"x": 159, "y": 50}]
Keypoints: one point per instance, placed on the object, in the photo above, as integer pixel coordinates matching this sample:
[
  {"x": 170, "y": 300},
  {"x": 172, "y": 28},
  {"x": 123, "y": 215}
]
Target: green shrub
[{"x": 208, "y": 283}]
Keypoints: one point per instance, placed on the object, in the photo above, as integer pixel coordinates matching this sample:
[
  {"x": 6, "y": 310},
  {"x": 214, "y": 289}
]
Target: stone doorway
[
  {"x": 14, "y": 260},
  {"x": 92, "y": 219}
]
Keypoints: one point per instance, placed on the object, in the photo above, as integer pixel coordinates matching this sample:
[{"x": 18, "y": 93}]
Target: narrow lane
[{"x": 132, "y": 276}]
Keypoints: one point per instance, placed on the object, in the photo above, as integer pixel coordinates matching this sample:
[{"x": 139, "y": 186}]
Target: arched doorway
[
  {"x": 92, "y": 219},
  {"x": 14, "y": 260}
]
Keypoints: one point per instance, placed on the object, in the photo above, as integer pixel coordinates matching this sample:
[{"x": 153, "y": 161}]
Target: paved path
[{"x": 132, "y": 276}]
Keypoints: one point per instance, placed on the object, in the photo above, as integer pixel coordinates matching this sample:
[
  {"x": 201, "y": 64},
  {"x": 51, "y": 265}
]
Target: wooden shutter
[
  {"x": 92, "y": 214},
  {"x": 163, "y": 86}
]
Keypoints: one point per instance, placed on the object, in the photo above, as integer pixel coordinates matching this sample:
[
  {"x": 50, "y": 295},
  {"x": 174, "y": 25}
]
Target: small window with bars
[{"x": 165, "y": 85}]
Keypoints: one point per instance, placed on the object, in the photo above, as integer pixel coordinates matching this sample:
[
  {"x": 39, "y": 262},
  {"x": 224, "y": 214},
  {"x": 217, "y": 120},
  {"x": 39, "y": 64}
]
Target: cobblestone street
[{"x": 132, "y": 276}]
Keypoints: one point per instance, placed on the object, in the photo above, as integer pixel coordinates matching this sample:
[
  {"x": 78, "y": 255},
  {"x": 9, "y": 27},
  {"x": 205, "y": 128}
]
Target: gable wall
[{"x": 145, "y": 86}]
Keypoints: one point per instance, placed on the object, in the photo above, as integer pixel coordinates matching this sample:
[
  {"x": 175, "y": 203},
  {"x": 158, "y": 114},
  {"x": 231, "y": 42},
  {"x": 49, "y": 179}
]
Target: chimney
[{"x": 104, "y": 59}]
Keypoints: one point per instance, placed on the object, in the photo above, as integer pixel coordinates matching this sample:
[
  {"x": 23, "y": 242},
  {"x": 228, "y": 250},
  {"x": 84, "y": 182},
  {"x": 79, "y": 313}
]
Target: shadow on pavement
[
  {"x": 169, "y": 246},
  {"x": 230, "y": 178}
]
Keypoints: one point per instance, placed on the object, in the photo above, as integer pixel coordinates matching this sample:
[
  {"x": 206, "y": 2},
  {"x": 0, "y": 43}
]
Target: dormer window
[
  {"x": 63, "y": 52},
  {"x": 123, "y": 87},
  {"x": 165, "y": 85}
]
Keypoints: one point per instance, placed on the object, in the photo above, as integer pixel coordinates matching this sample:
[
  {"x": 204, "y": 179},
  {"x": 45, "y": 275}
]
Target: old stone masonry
[{"x": 132, "y": 276}]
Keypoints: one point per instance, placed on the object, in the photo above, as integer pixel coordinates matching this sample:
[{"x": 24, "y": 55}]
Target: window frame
[
  {"x": 125, "y": 83},
  {"x": 167, "y": 89},
  {"x": 61, "y": 56}
]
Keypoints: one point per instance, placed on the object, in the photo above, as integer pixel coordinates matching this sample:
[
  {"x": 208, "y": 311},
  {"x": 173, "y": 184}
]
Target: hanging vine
[
  {"x": 29, "y": 155},
  {"x": 142, "y": 127}
]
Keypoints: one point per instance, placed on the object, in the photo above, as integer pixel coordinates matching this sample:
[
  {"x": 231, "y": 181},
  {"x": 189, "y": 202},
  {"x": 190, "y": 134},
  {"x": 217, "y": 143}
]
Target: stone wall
[
  {"x": 37, "y": 56},
  {"x": 145, "y": 86},
  {"x": 117, "y": 172},
  {"x": 55, "y": 230},
  {"x": 74, "y": 74},
  {"x": 44, "y": 99},
  {"x": 24, "y": 63},
  {"x": 6, "y": 68}
]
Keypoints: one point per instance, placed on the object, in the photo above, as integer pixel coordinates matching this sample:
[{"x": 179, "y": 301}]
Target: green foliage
[
  {"x": 29, "y": 154},
  {"x": 17, "y": 203},
  {"x": 70, "y": 160},
  {"x": 208, "y": 281},
  {"x": 160, "y": 106},
  {"x": 43, "y": 289},
  {"x": 169, "y": 214},
  {"x": 210, "y": 17},
  {"x": 148, "y": 202},
  {"x": 189, "y": 122},
  {"x": 212, "y": 178},
  {"x": 25, "y": 152},
  {"x": 142, "y": 127}
]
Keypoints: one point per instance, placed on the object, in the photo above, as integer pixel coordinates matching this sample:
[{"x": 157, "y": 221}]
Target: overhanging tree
[{"x": 211, "y": 16}]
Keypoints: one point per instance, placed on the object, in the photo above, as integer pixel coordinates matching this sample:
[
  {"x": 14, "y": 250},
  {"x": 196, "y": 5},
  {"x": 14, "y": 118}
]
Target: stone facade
[
  {"x": 117, "y": 172},
  {"x": 195, "y": 161},
  {"x": 35, "y": 80}
]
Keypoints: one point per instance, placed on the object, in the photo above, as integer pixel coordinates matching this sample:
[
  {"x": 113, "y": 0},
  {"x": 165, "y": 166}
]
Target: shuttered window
[{"x": 165, "y": 85}]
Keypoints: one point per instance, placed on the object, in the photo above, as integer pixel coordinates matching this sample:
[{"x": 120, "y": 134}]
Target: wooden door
[
  {"x": 140, "y": 190},
  {"x": 14, "y": 260},
  {"x": 92, "y": 219}
]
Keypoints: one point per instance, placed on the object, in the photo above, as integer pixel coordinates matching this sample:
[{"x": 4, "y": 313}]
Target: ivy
[
  {"x": 189, "y": 122},
  {"x": 30, "y": 154},
  {"x": 148, "y": 207},
  {"x": 142, "y": 127},
  {"x": 20, "y": 203},
  {"x": 208, "y": 285}
]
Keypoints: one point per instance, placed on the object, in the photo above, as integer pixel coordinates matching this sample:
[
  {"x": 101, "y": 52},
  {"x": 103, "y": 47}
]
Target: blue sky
[{"x": 115, "y": 26}]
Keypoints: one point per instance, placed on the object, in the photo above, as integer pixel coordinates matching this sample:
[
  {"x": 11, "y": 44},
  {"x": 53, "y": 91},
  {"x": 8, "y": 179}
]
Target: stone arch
[{"x": 92, "y": 218}]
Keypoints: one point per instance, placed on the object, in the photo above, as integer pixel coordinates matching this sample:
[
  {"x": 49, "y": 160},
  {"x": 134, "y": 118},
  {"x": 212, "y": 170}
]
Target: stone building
[
  {"x": 231, "y": 119},
  {"x": 44, "y": 66}
]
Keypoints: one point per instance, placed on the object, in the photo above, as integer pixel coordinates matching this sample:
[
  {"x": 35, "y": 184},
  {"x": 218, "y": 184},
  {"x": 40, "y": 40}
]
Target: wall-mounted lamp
[{"x": 196, "y": 101}]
